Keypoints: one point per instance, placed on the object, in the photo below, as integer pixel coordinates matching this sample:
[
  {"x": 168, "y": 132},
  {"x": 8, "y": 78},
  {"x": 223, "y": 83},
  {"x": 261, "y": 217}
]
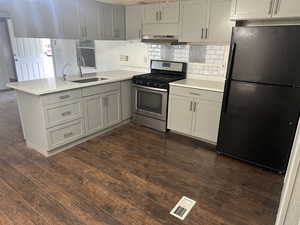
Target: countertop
[
  {"x": 52, "y": 85},
  {"x": 210, "y": 85}
]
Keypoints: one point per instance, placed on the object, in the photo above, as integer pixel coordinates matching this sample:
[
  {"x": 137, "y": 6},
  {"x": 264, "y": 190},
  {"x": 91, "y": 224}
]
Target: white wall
[
  {"x": 64, "y": 52},
  {"x": 293, "y": 213},
  {"x": 134, "y": 55},
  {"x": 7, "y": 70}
]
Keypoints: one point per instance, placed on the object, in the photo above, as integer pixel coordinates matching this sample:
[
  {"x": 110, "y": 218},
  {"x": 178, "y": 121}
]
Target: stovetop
[{"x": 156, "y": 80}]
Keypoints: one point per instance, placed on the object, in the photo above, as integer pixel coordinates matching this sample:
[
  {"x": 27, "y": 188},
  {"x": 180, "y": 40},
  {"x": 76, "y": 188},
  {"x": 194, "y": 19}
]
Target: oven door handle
[{"x": 150, "y": 88}]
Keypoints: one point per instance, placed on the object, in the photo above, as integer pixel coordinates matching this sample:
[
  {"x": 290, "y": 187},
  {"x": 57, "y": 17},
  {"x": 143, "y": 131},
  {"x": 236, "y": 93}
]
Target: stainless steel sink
[{"x": 88, "y": 80}]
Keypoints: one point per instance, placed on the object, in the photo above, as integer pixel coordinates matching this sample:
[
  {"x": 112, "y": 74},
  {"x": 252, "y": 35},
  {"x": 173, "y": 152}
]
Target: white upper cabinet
[
  {"x": 205, "y": 21},
  {"x": 5, "y": 8},
  {"x": 169, "y": 12},
  {"x": 287, "y": 8},
  {"x": 66, "y": 16},
  {"x": 194, "y": 20},
  {"x": 111, "y": 21},
  {"x": 119, "y": 22},
  {"x": 88, "y": 19},
  {"x": 151, "y": 13},
  {"x": 166, "y": 13},
  {"x": 34, "y": 18},
  {"x": 220, "y": 26},
  {"x": 254, "y": 9},
  {"x": 134, "y": 20},
  {"x": 265, "y": 9}
]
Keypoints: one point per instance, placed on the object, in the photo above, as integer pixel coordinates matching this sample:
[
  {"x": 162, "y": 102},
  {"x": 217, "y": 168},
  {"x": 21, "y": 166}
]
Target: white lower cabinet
[
  {"x": 111, "y": 108},
  {"x": 195, "y": 112},
  {"x": 207, "y": 119},
  {"x": 52, "y": 122},
  {"x": 93, "y": 109},
  {"x": 180, "y": 114},
  {"x": 64, "y": 134},
  {"x": 102, "y": 111}
]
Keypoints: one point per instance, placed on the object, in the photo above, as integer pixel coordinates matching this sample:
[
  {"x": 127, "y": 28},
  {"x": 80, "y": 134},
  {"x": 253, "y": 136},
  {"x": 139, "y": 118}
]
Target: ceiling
[{"x": 128, "y": 2}]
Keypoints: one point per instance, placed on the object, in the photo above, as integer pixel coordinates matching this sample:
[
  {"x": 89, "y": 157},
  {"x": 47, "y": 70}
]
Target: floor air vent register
[{"x": 182, "y": 208}]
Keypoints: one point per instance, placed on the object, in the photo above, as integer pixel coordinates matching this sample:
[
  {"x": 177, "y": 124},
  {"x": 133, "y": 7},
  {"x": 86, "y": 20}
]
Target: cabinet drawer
[
  {"x": 62, "y": 112},
  {"x": 99, "y": 89},
  {"x": 61, "y": 97},
  {"x": 196, "y": 93},
  {"x": 65, "y": 134}
]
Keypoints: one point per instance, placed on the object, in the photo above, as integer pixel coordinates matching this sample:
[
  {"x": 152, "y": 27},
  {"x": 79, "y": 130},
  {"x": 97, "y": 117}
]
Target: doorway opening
[{"x": 32, "y": 57}]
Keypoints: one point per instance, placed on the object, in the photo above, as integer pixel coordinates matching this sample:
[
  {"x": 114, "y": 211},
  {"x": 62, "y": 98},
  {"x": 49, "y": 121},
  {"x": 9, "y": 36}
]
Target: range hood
[{"x": 172, "y": 39}]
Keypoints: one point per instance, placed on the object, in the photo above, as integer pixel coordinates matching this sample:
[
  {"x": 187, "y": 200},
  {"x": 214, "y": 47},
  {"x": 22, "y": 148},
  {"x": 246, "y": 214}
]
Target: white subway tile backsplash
[{"x": 202, "y": 59}]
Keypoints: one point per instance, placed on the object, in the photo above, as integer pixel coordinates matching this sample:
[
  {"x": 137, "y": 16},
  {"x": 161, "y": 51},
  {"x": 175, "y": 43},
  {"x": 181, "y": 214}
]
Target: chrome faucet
[
  {"x": 63, "y": 71},
  {"x": 70, "y": 65}
]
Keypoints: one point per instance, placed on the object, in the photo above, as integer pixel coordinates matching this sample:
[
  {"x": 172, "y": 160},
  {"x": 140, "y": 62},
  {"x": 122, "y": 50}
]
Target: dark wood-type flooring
[{"x": 131, "y": 176}]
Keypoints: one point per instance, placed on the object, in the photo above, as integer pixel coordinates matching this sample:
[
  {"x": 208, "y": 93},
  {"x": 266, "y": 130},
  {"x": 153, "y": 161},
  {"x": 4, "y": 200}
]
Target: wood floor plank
[
  {"x": 131, "y": 176},
  {"x": 159, "y": 173},
  {"x": 41, "y": 202},
  {"x": 5, "y": 220},
  {"x": 87, "y": 191}
]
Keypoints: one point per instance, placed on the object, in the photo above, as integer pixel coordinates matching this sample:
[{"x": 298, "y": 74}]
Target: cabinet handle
[
  {"x": 193, "y": 93},
  {"x": 195, "y": 106},
  {"x": 270, "y": 7},
  {"x": 157, "y": 16},
  {"x": 67, "y": 135},
  {"x": 277, "y": 7},
  {"x": 191, "y": 106},
  {"x": 85, "y": 31},
  {"x": 82, "y": 32},
  {"x": 160, "y": 15},
  {"x": 64, "y": 96},
  {"x": 66, "y": 113},
  {"x": 206, "y": 33},
  {"x": 202, "y": 33}
]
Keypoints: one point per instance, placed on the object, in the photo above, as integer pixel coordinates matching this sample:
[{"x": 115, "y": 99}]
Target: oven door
[{"x": 150, "y": 102}]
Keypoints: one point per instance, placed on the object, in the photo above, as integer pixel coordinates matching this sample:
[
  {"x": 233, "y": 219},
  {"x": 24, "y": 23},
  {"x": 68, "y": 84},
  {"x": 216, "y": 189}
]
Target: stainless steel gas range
[{"x": 150, "y": 93}]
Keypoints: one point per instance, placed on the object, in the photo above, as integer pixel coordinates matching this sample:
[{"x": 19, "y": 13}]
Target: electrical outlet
[{"x": 124, "y": 58}]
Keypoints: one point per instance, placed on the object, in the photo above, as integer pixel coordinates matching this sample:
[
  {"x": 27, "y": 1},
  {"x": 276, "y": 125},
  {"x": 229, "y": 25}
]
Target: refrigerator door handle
[{"x": 231, "y": 61}]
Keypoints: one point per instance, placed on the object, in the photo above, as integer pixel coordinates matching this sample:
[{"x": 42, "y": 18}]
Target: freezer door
[
  {"x": 267, "y": 55},
  {"x": 258, "y": 123}
]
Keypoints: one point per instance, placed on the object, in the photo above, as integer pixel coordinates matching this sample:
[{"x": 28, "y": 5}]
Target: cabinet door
[
  {"x": 169, "y": 12},
  {"x": 118, "y": 22},
  {"x": 93, "y": 114},
  {"x": 151, "y": 13},
  {"x": 134, "y": 19},
  {"x": 88, "y": 19},
  {"x": 180, "y": 114},
  {"x": 33, "y": 18},
  {"x": 5, "y": 8},
  {"x": 105, "y": 21},
  {"x": 254, "y": 9},
  {"x": 287, "y": 8},
  {"x": 194, "y": 20},
  {"x": 112, "y": 108},
  {"x": 126, "y": 99},
  {"x": 220, "y": 26},
  {"x": 66, "y": 14},
  {"x": 207, "y": 119}
]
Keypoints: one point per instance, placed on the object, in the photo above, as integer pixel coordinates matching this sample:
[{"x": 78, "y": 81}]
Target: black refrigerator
[{"x": 261, "y": 100}]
